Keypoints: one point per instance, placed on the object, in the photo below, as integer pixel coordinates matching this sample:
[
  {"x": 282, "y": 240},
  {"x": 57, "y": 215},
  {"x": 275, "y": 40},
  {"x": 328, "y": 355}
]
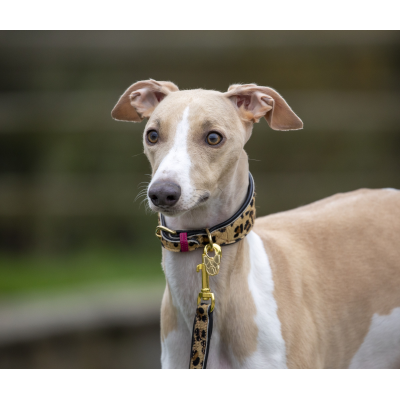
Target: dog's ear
[
  {"x": 140, "y": 100},
  {"x": 254, "y": 102}
]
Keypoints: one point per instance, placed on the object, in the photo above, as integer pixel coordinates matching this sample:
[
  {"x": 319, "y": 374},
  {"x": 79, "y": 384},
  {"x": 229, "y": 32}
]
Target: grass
[{"x": 22, "y": 274}]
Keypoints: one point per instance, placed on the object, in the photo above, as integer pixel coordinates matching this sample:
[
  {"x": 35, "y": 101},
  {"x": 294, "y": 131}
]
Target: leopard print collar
[{"x": 228, "y": 232}]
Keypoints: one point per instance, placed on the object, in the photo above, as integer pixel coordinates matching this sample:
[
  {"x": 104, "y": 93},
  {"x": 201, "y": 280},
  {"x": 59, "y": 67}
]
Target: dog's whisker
[
  {"x": 143, "y": 183},
  {"x": 143, "y": 192}
]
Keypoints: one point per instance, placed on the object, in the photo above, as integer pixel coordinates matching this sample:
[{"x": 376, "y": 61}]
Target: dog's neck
[{"x": 180, "y": 268}]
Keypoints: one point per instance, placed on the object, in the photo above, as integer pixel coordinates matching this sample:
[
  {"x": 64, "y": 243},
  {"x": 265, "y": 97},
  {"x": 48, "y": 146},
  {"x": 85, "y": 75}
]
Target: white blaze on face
[{"x": 176, "y": 164}]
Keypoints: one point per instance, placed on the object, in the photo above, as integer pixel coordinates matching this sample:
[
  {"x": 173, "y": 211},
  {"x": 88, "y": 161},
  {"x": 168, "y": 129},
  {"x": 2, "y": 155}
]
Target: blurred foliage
[
  {"x": 69, "y": 174},
  {"x": 32, "y": 273}
]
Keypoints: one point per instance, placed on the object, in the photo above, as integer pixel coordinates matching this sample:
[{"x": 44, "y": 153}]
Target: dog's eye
[
  {"x": 213, "y": 138},
  {"x": 152, "y": 136}
]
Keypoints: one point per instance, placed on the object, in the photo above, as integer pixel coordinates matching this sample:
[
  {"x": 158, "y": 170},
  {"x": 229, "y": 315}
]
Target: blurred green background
[{"x": 69, "y": 174}]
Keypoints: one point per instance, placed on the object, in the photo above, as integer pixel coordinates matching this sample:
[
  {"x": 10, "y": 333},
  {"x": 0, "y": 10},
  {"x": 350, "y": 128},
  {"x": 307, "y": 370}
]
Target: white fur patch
[
  {"x": 271, "y": 349},
  {"x": 391, "y": 189},
  {"x": 176, "y": 164},
  {"x": 175, "y": 348},
  {"x": 381, "y": 346}
]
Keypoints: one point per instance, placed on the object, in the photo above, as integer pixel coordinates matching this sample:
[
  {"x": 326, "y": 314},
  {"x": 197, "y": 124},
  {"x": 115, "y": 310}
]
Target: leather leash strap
[{"x": 201, "y": 337}]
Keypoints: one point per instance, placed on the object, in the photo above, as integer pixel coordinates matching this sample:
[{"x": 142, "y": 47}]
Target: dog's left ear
[
  {"x": 140, "y": 100},
  {"x": 254, "y": 102}
]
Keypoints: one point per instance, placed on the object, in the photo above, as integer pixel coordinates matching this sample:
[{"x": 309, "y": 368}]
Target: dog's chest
[{"x": 247, "y": 330}]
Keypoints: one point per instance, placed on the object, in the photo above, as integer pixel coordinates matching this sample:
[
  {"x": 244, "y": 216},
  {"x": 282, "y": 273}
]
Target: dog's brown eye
[
  {"x": 152, "y": 136},
  {"x": 213, "y": 138}
]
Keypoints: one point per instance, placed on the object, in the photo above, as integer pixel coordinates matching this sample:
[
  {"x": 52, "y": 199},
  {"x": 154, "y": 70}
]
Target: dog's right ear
[{"x": 140, "y": 100}]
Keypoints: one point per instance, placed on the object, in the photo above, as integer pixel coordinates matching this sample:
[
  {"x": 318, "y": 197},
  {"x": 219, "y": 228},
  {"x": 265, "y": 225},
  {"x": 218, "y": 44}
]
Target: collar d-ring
[{"x": 209, "y": 237}]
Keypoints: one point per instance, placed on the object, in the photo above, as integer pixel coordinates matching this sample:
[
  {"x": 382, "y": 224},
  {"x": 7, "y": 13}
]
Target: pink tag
[{"x": 184, "y": 242}]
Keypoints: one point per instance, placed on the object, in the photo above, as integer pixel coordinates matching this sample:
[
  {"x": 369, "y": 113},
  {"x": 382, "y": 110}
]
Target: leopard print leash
[
  {"x": 228, "y": 232},
  {"x": 201, "y": 337}
]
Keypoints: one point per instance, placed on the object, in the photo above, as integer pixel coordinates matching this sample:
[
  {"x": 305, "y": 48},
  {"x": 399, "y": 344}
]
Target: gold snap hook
[{"x": 209, "y": 267}]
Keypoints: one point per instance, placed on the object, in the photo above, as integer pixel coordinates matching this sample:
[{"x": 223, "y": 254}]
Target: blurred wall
[{"x": 69, "y": 174}]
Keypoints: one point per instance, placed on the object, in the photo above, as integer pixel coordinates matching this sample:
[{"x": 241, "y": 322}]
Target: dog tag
[{"x": 212, "y": 263}]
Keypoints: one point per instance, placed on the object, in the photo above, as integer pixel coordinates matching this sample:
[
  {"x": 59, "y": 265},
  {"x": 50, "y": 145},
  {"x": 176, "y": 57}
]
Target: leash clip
[
  {"x": 209, "y": 266},
  {"x": 205, "y": 293}
]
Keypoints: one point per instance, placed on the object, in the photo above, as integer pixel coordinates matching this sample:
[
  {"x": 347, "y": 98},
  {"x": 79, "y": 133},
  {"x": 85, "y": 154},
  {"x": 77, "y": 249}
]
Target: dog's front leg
[
  {"x": 175, "y": 349},
  {"x": 175, "y": 335}
]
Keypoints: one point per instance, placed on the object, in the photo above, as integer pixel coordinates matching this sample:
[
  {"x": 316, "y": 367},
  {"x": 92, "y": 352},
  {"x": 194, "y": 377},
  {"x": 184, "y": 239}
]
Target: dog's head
[{"x": 195, "y": 138}]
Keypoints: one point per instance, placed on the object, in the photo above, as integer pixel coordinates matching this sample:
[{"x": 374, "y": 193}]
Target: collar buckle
[{"x": 165, "y": 229}]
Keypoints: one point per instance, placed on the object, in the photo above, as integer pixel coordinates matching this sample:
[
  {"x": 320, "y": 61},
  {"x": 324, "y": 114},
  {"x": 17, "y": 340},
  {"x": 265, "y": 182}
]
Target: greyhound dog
[{"x": 314, "y": 287}]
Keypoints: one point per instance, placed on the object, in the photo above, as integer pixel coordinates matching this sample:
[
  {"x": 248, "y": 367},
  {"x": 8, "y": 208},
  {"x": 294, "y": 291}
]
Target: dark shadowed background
[{"x": 80, "y": 274}]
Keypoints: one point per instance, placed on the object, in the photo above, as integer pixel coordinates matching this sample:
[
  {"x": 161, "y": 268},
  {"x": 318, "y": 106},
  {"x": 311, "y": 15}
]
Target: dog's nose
[{"x": 164, "y": 193}]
